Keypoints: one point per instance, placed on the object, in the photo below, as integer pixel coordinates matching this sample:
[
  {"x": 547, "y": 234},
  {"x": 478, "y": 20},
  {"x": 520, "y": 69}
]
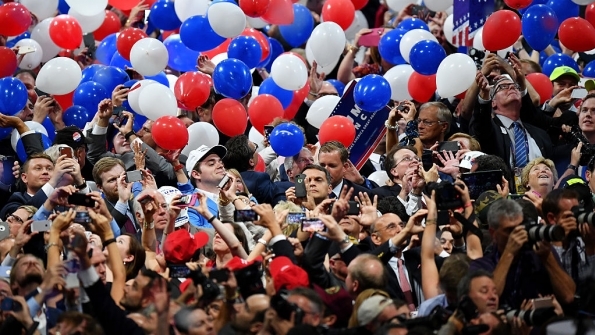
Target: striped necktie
[{"x": 521, "y": 151}]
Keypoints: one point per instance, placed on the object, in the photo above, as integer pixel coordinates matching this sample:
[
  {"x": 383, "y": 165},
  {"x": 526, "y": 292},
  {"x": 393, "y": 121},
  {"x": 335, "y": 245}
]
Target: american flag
[{"x": 468, "y": 17}]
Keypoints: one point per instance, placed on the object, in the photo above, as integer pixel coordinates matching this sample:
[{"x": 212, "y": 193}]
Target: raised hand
[
  {"x": 119, "y": 95},
  {"x": 367, "y": 209}
]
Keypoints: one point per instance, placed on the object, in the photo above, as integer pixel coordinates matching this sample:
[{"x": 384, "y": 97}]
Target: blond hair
[{"x": 537, "y": 161}]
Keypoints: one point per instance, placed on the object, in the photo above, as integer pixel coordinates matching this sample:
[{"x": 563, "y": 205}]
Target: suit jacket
[
  {"x": 19, "y": 199},
  {"x": 281, "y": 187},
  {"x": 356, "y": 189},
  {"x": 313, "y": 263},
  {"x": 260, "y": 185},
  {"x": 122, "y": 218},
  {"x": 387, "y": 191},
  {"x": 32, "y": 143}
]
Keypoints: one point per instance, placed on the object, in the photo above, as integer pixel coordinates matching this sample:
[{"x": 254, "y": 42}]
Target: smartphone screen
[
  {"x": 220, "y": 275},
  {"x": 244, "y": 215},
  {"x": 294, "y": 218},
  {"x": 134, "y": 176},
  {"x": 81, "y": 199},
  {"x": 6, "y": 176},
  {"x": 267, "y": 131},
  {"x": 578, "y": 93},
  {"x": 178, "y": 271},
  {"x": 313, "y": 225},
  {"x": 479, "y": 182},
  {"x": 448, "y": 146},
  {"x": 427, "y": 159}
]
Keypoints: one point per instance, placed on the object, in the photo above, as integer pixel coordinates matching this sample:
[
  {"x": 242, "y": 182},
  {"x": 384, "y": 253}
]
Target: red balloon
[
  {"x": 342, "y": 12},
  {"x": 262, "y": 40},
  {"x": 263, "y": 110},
  {"x": 126, "y": 40},
  {"x": 218, "y": 50},
  {"x": 296, "y": 102},
  {"x": 279, "y": 12},
  {"x": 518, "y": 4},
  {"x": 590, "y": 13},
  {"x": 255, "y": 8},
  {"x": 542, "y": 84},
  {"x": 229, "y": 116},
  {"x": 577, "y": 34},
  {"x": 123, "y": 4},
  {"x": 66, "y": 32},
  {"x": 337, "y": 128},
  {"x": 359, "y": 4},
  {"x": 170, "y": 133},
  {"x": 8, "y": 62},
  {"x": 111, "y": 24},
  {"x": 192, "y": 89},
  {"x": 15, "y": 19},
  {"x": 64, "y": 100},
  {"x": 260, "y": 164},
  {"x": 501, "y": 30},
  {"x": 421, "y": 88}
]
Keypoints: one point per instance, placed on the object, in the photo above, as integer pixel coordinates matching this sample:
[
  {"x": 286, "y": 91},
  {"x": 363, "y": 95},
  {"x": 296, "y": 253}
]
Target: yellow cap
[
  {"x": 564, "y": 71},
  {"x": 590, "y": 85}
]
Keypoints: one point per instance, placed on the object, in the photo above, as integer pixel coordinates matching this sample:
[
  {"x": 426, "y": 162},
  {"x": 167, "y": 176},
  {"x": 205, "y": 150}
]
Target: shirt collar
[
  {"x": 337, "y": 190},
  {"x": 507, "y": 122},
  {"x": 212, "y": 196}
]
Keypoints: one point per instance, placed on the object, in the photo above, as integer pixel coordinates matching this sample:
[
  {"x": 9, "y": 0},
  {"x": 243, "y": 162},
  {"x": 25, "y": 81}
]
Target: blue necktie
[{"x": 520, "y": 146}]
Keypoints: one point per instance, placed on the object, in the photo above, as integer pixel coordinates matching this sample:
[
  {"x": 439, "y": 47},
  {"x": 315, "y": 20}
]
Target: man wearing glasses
[{"x": 19, "y": 217}]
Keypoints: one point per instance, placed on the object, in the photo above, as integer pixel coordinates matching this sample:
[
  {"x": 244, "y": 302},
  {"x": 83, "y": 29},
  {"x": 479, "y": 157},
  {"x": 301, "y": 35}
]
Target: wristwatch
[
  {"x": 345, "y": 239},
  {"x": 571, "y": 167}
]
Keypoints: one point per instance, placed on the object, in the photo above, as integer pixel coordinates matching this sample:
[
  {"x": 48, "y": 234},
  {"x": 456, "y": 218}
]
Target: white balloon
[
  {"x": 379, "y": 177},
  {"x": 449, "y": 10},
  {"x": 226, "y": 19},
  {"x": 256, "y": 137},
  {"x": 327, "y": 43},
  {"x": 448, "y": 29},
  {"x": 398, "y": 78},
  {"x": 256, "y": 22},
  {"x": 590, "y": 52},
  {"x": 321, "y": 109},
  {"x": 411, "y": 38},
  {"x": 156, "y": 101},
  {"x": 34, "y": 126},
  {"x": 398, "y": 5},
  {"x": 33, "y": 59},
  {"x": 59, "y": 76},
  {"x": 41, "y": 8},
  {"x": 134, "y": 94},
  {"x": 149, "y": 56},
  {"x": 583, "y": 2},
  {"x": 187, "y": 8},
  {"x": 438, "y": 5},
  {"x": 455, "y": 75},
  {"x": 87, "y": 7},
  {"x": 349, "y": 84},
  {"x": 218, "y": 58},
  {"x": 172, "y": 79},
  {"x": 319, "y": 68},
  {"x": 89, "y": 23},
  {"x": 201, "y": 133},
  {"x": 359, "y": 22},
  {"x": 41, "y": 34},
  {"x": 289, "y": 72}
]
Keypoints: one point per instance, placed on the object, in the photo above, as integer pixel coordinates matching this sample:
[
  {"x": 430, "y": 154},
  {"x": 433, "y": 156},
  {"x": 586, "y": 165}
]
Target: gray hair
[
  {"x": 54, "y": 151},
  {"x": 288, "y": 163},
  {"x": 137, "y": 208},
  {"x": 503, "y": 209},
  {"x": 443, "y": 113}
]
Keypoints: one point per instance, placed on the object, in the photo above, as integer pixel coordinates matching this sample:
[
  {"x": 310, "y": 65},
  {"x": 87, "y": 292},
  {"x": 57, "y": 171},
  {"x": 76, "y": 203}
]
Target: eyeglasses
[
  {"x": 305, "y": 161},
  {"x": 13, "y": 217},
  {"x": 428, "y": 123},
  {"x": 507, "y": 87},
  {"x": 408, "y": 159},
  {"x": 255, "y": 148}
]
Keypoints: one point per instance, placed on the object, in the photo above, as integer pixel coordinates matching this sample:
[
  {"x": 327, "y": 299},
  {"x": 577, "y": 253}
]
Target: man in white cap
[
  {"x": 378, "y": 310},
  {"x": 206, "y": 170}
]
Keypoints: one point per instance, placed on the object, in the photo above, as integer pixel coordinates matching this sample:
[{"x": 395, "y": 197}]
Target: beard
[
  {"x": 31, "y": 278},
  {"x": 130, "y": 307}
]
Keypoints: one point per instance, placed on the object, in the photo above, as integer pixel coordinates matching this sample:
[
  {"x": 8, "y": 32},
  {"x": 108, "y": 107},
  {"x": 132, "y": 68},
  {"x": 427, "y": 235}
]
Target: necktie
[
  {"x": 405, "y": 287},
  {"x": 332, "y": 195},
  {"x": 381, "y": 162},
  {"x": 129, "y": 226},
  {"x": 520, "y": 146}
]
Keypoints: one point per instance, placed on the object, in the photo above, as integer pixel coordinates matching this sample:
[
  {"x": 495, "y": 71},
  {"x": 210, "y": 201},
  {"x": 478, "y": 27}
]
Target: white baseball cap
[
  {"x": 169, "y": 193},
  {"x": 468, "y": 158},
  {"x": 196, "y": 155}
]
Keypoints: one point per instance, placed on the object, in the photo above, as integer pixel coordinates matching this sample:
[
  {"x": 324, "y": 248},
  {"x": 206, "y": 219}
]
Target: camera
[
  {"x": 539, "y": 232},
  {"x": 477, "y": 56},
  {"x": 587, "y": 151},
  {"x": 447, "y": 197},
  {"x": 82, "y": 217},
  {"x": 534, "y": 317},
  {"x": 285, "y": 308},
  {"x": 582, "y": 215},
  {"x": 210, "y": 290}
]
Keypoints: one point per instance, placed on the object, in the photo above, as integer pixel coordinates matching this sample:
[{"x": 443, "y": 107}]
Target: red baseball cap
[
  {"x": 180, "y": 245},
  {"x": 237, "y": 263},
  {"x": 287, "y": 275}
]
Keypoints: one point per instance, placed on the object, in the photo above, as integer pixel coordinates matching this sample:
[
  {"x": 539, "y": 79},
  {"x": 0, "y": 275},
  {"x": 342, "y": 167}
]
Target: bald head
[
  {"x": 327, "y": 89},
  {"x": 386, "y": 227},
  {"x": 364, "y": 272}
]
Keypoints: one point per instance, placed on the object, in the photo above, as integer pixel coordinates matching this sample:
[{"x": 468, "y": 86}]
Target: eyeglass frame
[{"x": 428, "y": 123}]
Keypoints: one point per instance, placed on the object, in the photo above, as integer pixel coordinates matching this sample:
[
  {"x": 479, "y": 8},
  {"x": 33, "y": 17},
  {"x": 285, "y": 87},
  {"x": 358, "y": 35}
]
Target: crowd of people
[{"x": 483, "y": 223}]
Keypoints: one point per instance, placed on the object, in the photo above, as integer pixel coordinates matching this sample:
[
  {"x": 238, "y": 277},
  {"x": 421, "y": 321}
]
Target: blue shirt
[
  {"x": 194, "y": 217},
  {"x": 427, "y": 306}
]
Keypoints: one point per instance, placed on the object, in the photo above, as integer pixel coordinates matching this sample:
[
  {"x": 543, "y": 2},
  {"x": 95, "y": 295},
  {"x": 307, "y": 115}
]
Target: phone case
[{"x": 371, "y": 39}]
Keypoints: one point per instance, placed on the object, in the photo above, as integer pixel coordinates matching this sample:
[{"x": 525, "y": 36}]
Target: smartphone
[
  {"x": 81, "y": 199},
  {"x": 267, "y": 131},
  {"x": 244, "y": 215},
  {"x": 448, "y": 146},
  {"x": 72, "y": 265},
  {"x": 82, "y": 217},
  {"x": 120, "y": 120},
  {"x": 313, "y": 225},
  {"x": 372, "y": 38},
  {"x": 542, "y": 303},
  {"x": 294, "y": 217},
  {"x": 40, "y": 93},
  {"x": 187, "y": 200},
  {"x": 300, "y": 186},
  {"x": 223, "y": 182},
  {"x": 9, "y": 304},
  {"x": 89, "y": 41},
  {"x": 134, "y": 176},
  {"x": 4, "y": 230},
  {"x": 66, "y": 151},
  {"x": 422, "y": 12},
  {"x": 26, "y": 50},
  {"x": 479, "y": 182},
  {"x": 178, "y": 271},
  {"x": 41, "y": 226},
  {"x": 6, "y": 177},
  {"x": 427, "y": 159},
  {"x": 353, "y": 208},
  {"x": 578, "y": 93},
  {"x": 220, "y": 275},
  {"x": 515, "y": 196}
]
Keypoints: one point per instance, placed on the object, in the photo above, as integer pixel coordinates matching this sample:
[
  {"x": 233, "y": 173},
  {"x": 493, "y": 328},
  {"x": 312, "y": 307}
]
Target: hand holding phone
[
  {"x": 371, "y": 39},
  {"x": 313, "y": 225},
  {"x": 66, "y": 151}
]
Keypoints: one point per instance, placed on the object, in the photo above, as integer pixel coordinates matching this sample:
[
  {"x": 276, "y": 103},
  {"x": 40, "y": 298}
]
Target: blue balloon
[
  {"x": 246, "y": 49},
  {"x": 426, "y": 56},
  {"x": 372, "y": 93},
  {"x": 22, "y": 154},
  {"x": 276, "y": 51},
  {"x": 297, "y": 33},
  {"x": 139, "y": 121},
  {"x": 125, "y": 104},
  {"x": 110, "y": 77},
  {"x": 106, "y": 49},
  {"x": 589, "y": 70},
  {"x": 389, "y": 46},
  {"x": 14, "y": 41},
  {"x": 13, "y": 95},
  {"x": 199, "y": 26},
  {"x": 76, "y": 116},
  {"x": 63, "y": 7},
  {"x": 557, "y": 60},
  {"x": 564, "y": 9},
  {"x": 5, "y": 132},
  {"x": 540, "y": 25},
  {"x": 90, "y": 71},
  {"x": 49, "y": 126},
  {"x": 339, "y": 86},
  {"x": 232, "y": 78},
  {"x": 413, "y": 23},
  {"x": 89, "y": 95},
  {"x": 287, "y": 139},
  {"x": 163, "y": 15},
  {"x": 161, "y": 78},
  {"x": 181, "y": 58},
  {"x": 119, "y": 61},
  {"x": 268, "y": 86}
]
